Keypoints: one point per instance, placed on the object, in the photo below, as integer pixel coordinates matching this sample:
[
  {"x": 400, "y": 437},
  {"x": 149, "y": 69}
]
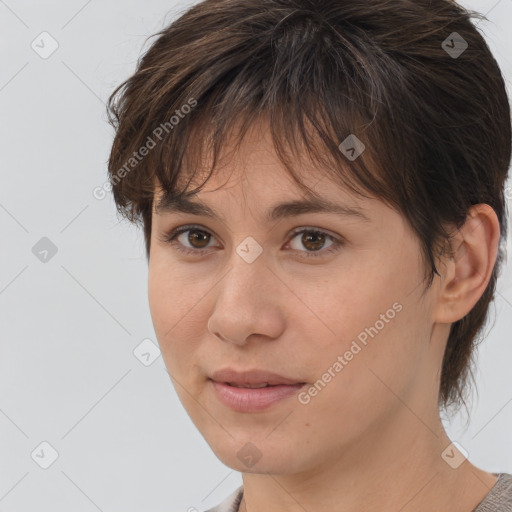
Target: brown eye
[
  {"x": 189, "y": 239},
  {"x": 312, "y": 243},
  {"x": 313, "y": 240},
  {"x": 198, "y": 239}
]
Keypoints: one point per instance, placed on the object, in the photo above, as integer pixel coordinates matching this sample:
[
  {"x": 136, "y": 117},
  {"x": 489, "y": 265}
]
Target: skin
[{"x": 372, "y": 439}]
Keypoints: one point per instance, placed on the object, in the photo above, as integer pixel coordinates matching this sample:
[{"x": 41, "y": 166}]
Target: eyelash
[{"x": 169, "y": 238}]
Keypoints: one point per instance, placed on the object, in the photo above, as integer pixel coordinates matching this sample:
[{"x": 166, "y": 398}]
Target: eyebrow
[{"x": 169, "y": 204}]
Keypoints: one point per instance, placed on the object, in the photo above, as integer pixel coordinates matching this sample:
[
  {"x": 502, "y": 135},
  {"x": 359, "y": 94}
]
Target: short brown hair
[{"x": 414, "y": 80}]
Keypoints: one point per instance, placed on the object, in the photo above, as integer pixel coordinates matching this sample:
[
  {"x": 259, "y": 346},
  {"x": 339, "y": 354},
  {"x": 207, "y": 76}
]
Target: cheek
[
  {"x": 170, "y": 293},
  {"x": 375, "y": 323},
  {"x": 177, "y": 314},
  {"x": 159, "y": 297},
  {"x": 166, "y": 305},
  {"x": 357, "y": 383}
]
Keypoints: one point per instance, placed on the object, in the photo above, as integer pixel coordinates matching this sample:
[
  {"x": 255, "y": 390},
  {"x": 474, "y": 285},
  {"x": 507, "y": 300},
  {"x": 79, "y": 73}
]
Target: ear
[{"x": 468, "y": 267}]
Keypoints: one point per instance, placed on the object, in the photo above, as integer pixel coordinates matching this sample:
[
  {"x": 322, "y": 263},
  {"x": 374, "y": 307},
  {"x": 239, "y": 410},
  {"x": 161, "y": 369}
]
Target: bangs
[{"x": 292, "y": 83}]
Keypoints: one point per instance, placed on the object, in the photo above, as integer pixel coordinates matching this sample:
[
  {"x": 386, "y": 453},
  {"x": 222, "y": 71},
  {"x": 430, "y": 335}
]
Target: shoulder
[
  {"x": 499, "y": 498},
  {"x": 231, "y": 503}
]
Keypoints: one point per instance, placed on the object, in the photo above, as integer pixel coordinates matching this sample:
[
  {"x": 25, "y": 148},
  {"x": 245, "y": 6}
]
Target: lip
[
  {"x": 252, "y": 400},
  {"x": 251, "y": 377}
]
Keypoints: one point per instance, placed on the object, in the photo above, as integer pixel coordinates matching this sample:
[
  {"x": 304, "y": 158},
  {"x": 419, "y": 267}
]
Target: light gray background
[{"x": 69, "y": 327}]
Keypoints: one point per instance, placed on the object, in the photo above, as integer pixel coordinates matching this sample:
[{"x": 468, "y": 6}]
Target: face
[{"x": 330, "y": 300}]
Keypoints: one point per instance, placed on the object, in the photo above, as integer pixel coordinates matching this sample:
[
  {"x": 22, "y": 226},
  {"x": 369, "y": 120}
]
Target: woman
[{"x": 320, "y": 185}]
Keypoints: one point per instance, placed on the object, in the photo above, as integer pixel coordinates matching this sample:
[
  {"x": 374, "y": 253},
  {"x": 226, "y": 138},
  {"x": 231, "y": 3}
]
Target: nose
[{"x": 248, "y": 303}]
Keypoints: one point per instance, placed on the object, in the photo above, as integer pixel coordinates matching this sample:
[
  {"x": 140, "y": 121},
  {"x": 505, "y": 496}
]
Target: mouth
[
  {"x": 253, "y": 379},
  {"x": 253, "y": 397},
  {"x": 261, "y": 385}
]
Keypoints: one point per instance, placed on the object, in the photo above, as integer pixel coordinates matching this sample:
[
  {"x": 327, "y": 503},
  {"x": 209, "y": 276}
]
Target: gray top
[{"x": 499, "y": 498}]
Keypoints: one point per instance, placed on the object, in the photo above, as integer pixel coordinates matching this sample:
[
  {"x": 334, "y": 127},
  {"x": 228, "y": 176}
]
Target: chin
[{"x": 250, "y": 455}]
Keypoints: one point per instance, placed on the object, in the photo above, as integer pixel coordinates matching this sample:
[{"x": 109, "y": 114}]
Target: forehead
[
  {"x": 267, "y": 196},
  {"x": 252, "y": 169}
]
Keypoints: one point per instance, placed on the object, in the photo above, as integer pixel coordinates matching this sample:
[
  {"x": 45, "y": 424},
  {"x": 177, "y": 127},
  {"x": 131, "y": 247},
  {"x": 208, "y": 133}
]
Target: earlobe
[{"x": 469, "y": 267}]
